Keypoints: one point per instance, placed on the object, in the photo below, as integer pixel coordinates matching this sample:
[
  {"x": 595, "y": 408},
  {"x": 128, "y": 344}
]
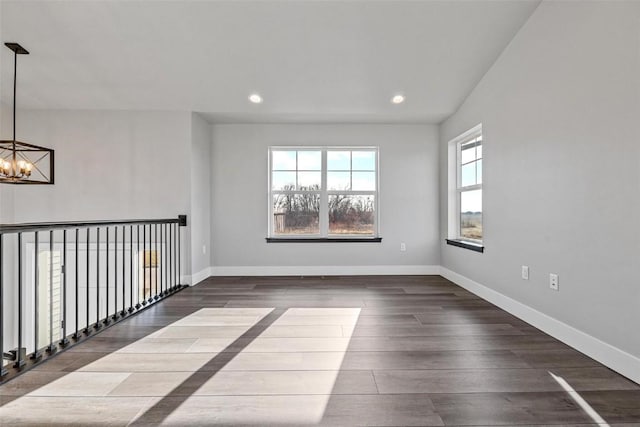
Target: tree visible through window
[{"x": 323, "y": 192}]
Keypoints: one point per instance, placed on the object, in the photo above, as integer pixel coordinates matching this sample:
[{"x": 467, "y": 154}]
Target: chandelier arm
[
  {"x": 41, "y": 173},
  {"x": 41, "y": 157}
]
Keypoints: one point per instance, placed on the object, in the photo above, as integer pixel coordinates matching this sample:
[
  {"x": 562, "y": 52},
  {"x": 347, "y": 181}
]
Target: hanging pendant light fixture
[{"x": 22, "y": 163}]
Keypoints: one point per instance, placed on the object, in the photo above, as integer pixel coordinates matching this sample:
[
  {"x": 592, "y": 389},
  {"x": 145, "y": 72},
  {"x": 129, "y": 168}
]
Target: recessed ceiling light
[
  {"x": 255, "y": 98},
  {"x": 397, "y": 99}
]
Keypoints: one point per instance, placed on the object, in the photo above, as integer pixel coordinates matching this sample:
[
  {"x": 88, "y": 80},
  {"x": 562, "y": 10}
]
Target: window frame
[
  {"x": 324, "y": 193},
  {"x": 457, "y": 189}
]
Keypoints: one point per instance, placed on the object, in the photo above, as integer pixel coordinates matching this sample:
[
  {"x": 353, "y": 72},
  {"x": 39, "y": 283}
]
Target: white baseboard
[
  {"x": 610, "y": 356},
  {"x": 198, "y": 277},
  {"x": 324, "y": 270}
]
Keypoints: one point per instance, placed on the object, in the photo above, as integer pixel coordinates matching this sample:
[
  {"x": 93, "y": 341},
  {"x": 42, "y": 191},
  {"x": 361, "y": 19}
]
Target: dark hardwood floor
[{"x": 366, "y": 350}]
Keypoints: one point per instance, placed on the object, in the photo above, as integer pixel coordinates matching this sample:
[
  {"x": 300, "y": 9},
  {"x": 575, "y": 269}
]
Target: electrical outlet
[
  {"x": 204, "y": 249},
  {"x": 525, "y": 272},
  {"x": 554, "y": 282},
  {"x": 403, "y": 247}
]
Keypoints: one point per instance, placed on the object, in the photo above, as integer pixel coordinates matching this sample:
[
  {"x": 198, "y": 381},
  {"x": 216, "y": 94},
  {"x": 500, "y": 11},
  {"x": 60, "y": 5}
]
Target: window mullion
[{"x": 324, "y": 198}]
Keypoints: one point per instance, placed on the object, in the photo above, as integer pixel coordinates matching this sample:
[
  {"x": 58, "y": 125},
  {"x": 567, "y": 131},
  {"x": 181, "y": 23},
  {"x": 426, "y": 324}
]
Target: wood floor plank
[
  {"x": 322, "y": 350},
  {"x": 509, "y": 409},
  {"x": 376, "y": 360},
  {"x": 435, "y": 330},
  {"x": 498, "y": 380}
]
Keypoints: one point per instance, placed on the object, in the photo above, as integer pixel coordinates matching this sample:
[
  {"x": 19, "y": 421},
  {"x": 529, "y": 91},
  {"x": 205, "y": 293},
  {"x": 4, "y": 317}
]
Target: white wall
[
  {"x": 560, "y": 111},
  {"x": 109, "y": 165},
  {"x": 408, "y": 201},
  {"x": 200, "y": 220}
]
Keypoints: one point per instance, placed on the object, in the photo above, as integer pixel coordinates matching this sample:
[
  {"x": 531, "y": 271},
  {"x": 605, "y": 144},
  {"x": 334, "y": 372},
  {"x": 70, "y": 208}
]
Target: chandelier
[{"x": 20, "y": 162}]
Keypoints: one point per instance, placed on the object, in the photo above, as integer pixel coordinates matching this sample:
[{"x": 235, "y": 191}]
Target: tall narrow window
[
  {"x": 465, "y": 204},
  {"x": 323, "y": 192},
  {"x": 470, "y": 189}
]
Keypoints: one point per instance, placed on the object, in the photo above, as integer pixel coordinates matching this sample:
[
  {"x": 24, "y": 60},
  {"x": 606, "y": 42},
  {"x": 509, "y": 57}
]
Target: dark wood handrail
[{"x": 36, "y": 226}]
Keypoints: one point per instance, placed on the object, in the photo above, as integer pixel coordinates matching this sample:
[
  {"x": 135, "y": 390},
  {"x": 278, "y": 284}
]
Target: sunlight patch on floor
[
  {"x": 285, "y": 375},
  {"x": 259, "y": 394},
  {"x": 145, "y": 369}
]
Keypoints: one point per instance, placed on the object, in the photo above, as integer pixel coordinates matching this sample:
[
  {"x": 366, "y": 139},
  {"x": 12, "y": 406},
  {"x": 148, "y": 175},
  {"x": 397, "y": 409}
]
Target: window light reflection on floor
[{"x": 579, "y": 400}]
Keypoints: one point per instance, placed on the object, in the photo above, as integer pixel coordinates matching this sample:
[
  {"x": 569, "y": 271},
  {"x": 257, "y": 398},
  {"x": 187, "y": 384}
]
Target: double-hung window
[
  {"x": 465, "y": 222},
  {"x": 323, "y": 192}
]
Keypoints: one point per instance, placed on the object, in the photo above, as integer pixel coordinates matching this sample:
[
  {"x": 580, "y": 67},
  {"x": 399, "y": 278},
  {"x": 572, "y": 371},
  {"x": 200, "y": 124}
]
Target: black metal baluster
[
  {"x": 138, "y": 269},
  {"x": 64, "y": 341},
  {"x": 131, "y": 269},
  {"x": 167, "y": 248},
  {"x": 179, "y": 260},
  {"x": 36, "y": 304},
  {"x": 3, "y": 371},
  {"x": 97, "y": 326},
  {"x": 160, "y": 261},
  {"x": 157, "y": 293},
  {"x": 124, "y": 292},
  {"x": 163, "y": 253},
  {"x": 51, "y": 348},
  {"x": 170, "y": 262},
  {"x": 144, "y": 264},
  {"x": 152, "y": 254},
  {"x": 87, "y": 329},
  {"x": 106, "y": 320},
  {"x": 115, "y": 273},
  {"x": 20, "y": 362},
  {"x": 150, "y": 300},
  {"x": 175, "y": 256},
  {"x": 76, "y": 335}
]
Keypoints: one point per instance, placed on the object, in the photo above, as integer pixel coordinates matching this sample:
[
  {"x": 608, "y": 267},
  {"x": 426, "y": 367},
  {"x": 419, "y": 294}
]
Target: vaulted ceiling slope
[{"x": 312, "y": 61}]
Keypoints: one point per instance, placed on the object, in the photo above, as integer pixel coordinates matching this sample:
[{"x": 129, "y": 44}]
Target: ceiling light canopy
[
  {"x": 397, "y": 99},
  {"x": 255, "y": 98}
]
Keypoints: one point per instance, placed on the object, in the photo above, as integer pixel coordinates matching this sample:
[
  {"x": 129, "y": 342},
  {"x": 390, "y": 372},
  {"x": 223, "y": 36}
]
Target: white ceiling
[{"x": 312, "y": 61}]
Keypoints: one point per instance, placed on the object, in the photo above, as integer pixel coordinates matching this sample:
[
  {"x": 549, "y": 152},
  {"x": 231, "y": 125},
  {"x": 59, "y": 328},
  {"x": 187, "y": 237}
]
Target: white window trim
[
  {"x": 324, "y": 193},
  {"x": 453, "y": 229}
]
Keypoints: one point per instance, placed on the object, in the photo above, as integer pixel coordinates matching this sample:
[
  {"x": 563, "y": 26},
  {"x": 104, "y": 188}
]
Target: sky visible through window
[
  {"x": 471, "y": 174},
  {"x": 471, "y": 201},
  {"x": 346, "y": 170}
]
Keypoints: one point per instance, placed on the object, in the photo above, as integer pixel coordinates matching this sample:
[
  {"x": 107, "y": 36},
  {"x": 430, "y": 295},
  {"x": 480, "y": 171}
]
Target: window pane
[
  {"x": 309, "y": 160},
  {"x": 296, "y": 214},
  {"x": 479, "y": 171},
  {"x": 284, "y": 160},
  {"x": 468, "y": 174},
  {"x": 308, "y": 180},
  {"x": 339, "y": 160},
  {"x": 351, "y": 214},
  {"x": 283, "y": 181},
  {"x": 467, "y": 152},
  {"x": 364, "y": 160},
  {"x": 338, "y": 180},
  {"x": 363, "y": 181},
  {"x": 479, "y": 151},
  {"x": 471, "y": 214}
]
